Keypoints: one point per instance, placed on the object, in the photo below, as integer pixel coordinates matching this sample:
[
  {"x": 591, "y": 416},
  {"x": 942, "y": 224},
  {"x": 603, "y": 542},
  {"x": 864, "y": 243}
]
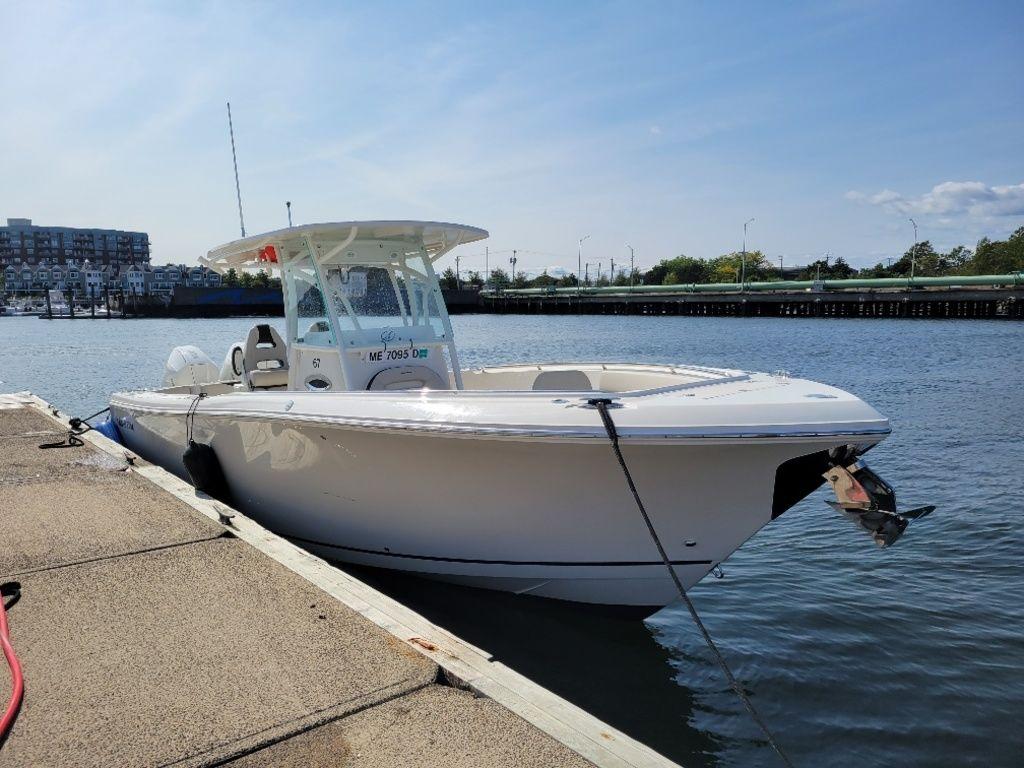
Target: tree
[
  {"x": 261, "y": 279},
  {"x": 475, "y": 279},
  {"x": 449, "y": 280},
  {"x": 231, "y": 278},
  {"x": 998, "y": 257},
  {"x": 728, "y": 268},
  {"x": 957, "y": 260},
  {"x": 521, "y": 281},
  {"x": 924, "y": 260},
  {"x": 543, "y": 280},
  {"x": 499, "y": 278},
  {"x": 828, "y": 270},
  {"x": 879, "y": 270},
  {"x": 245, "y": 280},
  {"x": 568, "y": 281}
]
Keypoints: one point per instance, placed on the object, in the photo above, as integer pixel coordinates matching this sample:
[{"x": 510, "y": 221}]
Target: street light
[
  {"x": 579, "y": 263},
  {"x": 632, "y": 271},
  {"x": 743, "y": 273},
  {"x": 913, "y": 253}
]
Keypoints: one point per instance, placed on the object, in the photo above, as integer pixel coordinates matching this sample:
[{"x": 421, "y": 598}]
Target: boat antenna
[{"x": 234, "y": 159}]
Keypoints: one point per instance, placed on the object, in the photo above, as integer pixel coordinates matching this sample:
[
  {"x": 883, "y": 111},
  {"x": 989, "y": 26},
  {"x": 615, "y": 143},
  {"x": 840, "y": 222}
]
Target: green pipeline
[{"x": 906, "y": 283}]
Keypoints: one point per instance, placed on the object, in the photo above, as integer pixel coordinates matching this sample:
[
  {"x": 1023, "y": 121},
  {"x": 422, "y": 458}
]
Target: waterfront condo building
[{"x": 23, "y": 243}]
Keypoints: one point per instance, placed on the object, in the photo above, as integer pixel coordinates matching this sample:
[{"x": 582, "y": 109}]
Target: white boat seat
[
  {"x": 562, "y": 381},
  {"x": 407, "y": 377},
  {"x": 266, "y": 358}
]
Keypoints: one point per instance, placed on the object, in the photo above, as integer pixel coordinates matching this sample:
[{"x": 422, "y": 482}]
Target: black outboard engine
[{"x": 868, "y": 500}]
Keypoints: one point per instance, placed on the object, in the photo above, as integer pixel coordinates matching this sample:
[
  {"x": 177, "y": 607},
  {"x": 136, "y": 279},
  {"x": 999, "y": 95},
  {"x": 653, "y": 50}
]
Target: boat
[{"x": 356, "y": 434}]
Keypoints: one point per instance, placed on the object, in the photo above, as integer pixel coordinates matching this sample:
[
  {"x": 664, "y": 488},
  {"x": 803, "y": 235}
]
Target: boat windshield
[
  {"x": 308, "y": 322},
  {"x": 392, "y": 296}
]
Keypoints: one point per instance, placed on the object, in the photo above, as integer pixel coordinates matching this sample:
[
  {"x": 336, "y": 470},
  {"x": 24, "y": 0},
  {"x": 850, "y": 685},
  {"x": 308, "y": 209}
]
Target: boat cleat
[{"x": 869, "y": 501}]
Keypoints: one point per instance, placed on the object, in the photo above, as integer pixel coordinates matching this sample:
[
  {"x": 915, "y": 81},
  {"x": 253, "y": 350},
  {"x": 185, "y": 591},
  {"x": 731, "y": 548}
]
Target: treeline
[
  {"x": 261, "y": 279},
  {"x": 989, "y": 257}
]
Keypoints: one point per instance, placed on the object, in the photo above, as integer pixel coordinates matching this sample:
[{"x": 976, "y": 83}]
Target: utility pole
[
  {"x": 487, "y": 265},
  {"x": 579, "y": 264},
  {"x": 513, "y": 261},
  {"x": 743, "y": 268},
  {"x": 586, "y": 274},
  {"x": 782, "y": 275},
  {"x": 599, "y": 272},
  {"x": 288, "y": 205},
  {"x": 613, "y": 270},
  {"x": 632, "y": 269},
  {"x": 913, "y": 253},
  {"x": 458, "y": 273}
]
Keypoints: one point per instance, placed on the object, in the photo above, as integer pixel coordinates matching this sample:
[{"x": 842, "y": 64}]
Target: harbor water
[{"x": 910, "y": 656}]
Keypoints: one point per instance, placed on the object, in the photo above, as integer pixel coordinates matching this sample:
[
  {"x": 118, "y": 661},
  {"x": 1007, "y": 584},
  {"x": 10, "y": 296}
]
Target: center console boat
[{"x": 357, "y": 434}]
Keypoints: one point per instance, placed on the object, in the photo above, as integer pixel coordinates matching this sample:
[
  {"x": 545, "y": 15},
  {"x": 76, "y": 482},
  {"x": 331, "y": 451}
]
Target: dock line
[{"x": 602, "y": 403}]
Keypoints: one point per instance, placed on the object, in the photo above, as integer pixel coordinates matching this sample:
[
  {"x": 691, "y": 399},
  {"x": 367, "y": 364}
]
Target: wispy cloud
[{"x": 973, "y": 199}]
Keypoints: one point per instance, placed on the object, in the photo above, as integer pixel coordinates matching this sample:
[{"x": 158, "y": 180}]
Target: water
[{"x": 856, "y": 656}]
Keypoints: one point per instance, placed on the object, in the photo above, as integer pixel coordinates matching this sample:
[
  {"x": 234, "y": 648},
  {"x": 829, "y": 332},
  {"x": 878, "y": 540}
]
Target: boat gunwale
[{"x": 627, "y": 435}]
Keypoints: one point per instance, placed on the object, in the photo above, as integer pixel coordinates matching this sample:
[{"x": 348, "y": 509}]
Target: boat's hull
[{"x": 550, "y": 517}]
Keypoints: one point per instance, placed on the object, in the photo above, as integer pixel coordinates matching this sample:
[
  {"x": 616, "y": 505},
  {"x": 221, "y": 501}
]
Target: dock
[
  {"x": 157, "y": 626},
  {"x": 948, "y": 303}
]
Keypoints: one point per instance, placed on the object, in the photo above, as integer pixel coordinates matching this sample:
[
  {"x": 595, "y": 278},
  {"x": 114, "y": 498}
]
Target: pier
[
  {"x": 945, "y": 303},
  {"x": 156, "y": 626}
]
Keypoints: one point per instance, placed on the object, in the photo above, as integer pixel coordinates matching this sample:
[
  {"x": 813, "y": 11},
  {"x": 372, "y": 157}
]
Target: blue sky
[{"x": 660, "y": 125}]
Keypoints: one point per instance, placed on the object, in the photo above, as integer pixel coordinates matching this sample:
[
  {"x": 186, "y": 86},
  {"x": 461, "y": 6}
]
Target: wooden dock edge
[{"x": 464, "y": 664}]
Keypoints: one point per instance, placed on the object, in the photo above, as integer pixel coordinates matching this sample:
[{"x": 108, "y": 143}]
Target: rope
[
  {"x": 602, "y": 407},
  {"x": 190, "y": 417},
  {"x": 77, "y": 427}
]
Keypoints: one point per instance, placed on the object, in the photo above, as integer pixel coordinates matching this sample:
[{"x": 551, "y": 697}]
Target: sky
[{"x": 664, "y": 126}]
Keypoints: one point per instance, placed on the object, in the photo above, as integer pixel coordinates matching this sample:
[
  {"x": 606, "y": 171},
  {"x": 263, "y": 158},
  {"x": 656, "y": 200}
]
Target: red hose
[{"x": 16, "y": 678}]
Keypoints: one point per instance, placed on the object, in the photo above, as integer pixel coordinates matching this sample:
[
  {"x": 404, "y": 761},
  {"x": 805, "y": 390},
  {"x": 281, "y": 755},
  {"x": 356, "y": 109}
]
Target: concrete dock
[{"x": 154, "y": 629}]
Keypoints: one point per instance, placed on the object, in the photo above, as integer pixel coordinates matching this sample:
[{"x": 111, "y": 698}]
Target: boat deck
[{"x": 152, "y": 634}]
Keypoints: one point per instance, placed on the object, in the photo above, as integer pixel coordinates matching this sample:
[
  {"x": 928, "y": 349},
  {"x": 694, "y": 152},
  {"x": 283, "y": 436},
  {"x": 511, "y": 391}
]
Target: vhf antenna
[{"x": 234, "y": 159}]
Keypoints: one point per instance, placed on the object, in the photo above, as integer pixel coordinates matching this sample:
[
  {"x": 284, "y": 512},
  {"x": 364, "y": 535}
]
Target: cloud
[
  {"x": 972, "y": 199},
  {"x": 655, "y": 129}
]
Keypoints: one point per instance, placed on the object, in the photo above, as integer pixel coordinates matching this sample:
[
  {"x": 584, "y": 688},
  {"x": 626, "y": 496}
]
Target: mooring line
[{"x": 609, "y": 425}]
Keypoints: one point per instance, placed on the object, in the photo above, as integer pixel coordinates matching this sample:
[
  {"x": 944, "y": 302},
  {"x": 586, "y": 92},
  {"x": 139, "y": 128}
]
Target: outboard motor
[
  {"x": 189, "y": 366},
  {"x": 868, "y": 500}
]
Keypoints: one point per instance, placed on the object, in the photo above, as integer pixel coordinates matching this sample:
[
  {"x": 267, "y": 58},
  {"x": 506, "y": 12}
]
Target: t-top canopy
[{"x": 269, "y": 250}]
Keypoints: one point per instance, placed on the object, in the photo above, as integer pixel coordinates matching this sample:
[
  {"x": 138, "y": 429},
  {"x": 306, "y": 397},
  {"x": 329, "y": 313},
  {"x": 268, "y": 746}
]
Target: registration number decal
[{"x": 388, "y": 355}]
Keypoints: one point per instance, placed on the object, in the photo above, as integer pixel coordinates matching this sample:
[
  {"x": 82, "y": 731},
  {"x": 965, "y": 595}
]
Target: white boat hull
[{"x": 545, "y": 516}]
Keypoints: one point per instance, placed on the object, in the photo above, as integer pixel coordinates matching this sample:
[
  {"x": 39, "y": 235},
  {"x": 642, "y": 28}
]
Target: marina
[{"x": 704, "y": 453}]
